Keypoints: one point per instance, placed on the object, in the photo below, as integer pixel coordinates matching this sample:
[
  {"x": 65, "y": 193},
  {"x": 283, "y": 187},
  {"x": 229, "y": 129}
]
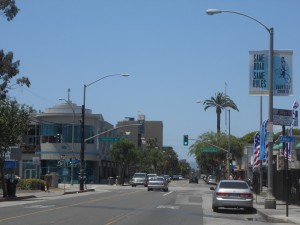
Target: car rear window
[
  {"x": 139, "y": 175},
  {"x": 234, "y": 185}
]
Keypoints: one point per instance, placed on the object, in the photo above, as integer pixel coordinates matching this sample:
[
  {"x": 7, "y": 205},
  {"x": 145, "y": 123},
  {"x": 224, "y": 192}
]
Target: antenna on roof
[{"x": 69, "y": 90}]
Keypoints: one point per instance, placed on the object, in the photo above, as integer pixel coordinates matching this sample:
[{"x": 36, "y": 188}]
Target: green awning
[
  {"x": 298, "y": 145},
  {"x": 279, "y": 146}
]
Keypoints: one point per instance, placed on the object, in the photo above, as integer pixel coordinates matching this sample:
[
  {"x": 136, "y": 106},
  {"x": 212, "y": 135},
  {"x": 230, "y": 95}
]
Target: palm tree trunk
[{"x": 218, "y": 124}]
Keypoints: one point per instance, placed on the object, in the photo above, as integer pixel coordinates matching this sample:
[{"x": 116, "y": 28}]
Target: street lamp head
[
  {"x": 125, "y": 74},
  {"x": 213, "y": 11}
]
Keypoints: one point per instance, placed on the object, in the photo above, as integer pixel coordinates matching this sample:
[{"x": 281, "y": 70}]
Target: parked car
[
  {"x": 211, "y": 179},
  {"x": 158, "y": 183},
  {"x": 139, "y": 179},
  {"x": 232, "y": 194},
  {"x": 193, "y": 180}
]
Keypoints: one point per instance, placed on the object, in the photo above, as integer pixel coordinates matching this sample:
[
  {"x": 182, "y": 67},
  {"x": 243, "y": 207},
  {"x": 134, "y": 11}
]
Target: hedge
[{"x": 31, "y": 184}]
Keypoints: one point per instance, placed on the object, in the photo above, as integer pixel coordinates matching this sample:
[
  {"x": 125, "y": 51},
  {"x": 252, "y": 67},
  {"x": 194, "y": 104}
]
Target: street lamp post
[
  {"x": 82, "y": 140},
  {"x": 73, "y": 125},
  {"x": 270, "y": 202}
]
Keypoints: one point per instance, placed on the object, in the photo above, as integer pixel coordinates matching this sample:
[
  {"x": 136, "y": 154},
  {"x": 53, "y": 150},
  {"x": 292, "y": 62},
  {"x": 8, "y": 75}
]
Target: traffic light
[
  {"x": 230, "y": 164},
  {"x": 185, "y": 140}
]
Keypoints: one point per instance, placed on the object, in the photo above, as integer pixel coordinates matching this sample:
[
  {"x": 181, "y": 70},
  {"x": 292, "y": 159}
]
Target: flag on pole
[
  {"x": 295, "y": 106},
  {"x": 263, "y": 133},
  {"x": 256, "y": 150}
]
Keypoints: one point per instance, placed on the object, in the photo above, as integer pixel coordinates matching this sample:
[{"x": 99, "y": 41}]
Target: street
[{"x": 184, "y": 204}]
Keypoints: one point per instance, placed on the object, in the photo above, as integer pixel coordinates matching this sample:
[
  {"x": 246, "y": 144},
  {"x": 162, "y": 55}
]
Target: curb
[
  {"x": 272, "y": 219},
  {"x": 76, "y": 192}
]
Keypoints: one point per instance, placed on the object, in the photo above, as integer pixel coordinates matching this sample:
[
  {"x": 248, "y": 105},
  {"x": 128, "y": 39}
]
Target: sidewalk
[
  {"x": 63, "y": 189},
  {"x": 278, "y": 215}
]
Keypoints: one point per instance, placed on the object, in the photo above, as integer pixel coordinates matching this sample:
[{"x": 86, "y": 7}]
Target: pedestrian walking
[{"x": 47, "y": 182}]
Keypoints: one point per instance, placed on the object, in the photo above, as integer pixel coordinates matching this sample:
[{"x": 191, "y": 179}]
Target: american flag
[
  {"x": 256, "y": 150},
  {"x": 295, "y": 106}
]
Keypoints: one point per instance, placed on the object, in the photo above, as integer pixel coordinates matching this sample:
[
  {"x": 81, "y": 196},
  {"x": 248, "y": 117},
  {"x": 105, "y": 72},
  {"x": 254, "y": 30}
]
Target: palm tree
[{"x": 220, "y": 102}]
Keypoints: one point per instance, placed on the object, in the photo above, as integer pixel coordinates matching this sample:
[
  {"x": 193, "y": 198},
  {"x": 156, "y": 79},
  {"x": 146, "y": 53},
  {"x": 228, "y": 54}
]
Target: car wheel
[
  {"x": 148, "y": 189},
  {"x": 215, "y": 208}
]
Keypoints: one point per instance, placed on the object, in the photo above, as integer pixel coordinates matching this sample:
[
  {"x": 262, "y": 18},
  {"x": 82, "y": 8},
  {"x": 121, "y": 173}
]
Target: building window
[{"x": 62, "y": 133}]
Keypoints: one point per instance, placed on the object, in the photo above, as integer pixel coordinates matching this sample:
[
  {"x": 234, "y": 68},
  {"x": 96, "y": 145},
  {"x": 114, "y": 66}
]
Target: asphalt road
[{"x": 184, "y": 204}]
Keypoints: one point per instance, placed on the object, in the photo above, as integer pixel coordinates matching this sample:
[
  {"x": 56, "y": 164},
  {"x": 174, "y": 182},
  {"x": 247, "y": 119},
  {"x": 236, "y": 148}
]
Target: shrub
[{"x": 31, "y": 184}]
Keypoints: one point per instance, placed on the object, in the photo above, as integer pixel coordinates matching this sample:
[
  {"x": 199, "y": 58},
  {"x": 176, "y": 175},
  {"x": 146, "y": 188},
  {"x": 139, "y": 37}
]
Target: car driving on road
[
  {"x": 139, "y": 179},
  {"x": 211, "y": 179},
  {"x": 158, "y": 183},
  {"x": 193, "y": 180}
]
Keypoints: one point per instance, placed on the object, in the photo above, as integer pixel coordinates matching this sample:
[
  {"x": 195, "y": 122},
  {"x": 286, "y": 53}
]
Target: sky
[{"x": 173, "y": 51}]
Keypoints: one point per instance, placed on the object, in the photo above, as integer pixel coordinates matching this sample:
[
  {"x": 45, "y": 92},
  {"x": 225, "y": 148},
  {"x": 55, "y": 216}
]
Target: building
[
  {"x": 53, "y": 145},
  {"x": 150, "y": 132}
]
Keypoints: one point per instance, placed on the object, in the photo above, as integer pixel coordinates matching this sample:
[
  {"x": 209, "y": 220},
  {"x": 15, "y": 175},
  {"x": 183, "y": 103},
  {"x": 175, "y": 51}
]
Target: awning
[
  {"x": 277, "y": 147},
  {"x": 298, "y": 145}
]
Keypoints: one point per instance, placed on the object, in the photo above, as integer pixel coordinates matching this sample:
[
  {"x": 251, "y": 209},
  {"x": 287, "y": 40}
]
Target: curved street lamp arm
[
  {"x": 216, "y": 11},
  {"x": 107, "y": 131},
  {"x": 111, "y": 75}
]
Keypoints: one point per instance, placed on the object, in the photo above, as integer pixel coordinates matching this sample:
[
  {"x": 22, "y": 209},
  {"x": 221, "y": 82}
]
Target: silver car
[
  {"x": 232, "y": 194},
  {"x": 139, "y": 179},
  {"x": 158, "y": 183},
  {"x": 211, "y": 179}
]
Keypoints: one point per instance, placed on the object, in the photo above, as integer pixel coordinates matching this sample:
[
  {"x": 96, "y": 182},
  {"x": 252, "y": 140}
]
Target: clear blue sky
[{"x": 174, "y": 52}]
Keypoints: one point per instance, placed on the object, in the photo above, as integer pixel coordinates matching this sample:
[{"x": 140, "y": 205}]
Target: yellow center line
[
  {"x": 68, "y": 206},
  {"x": 117, "y": 218}
]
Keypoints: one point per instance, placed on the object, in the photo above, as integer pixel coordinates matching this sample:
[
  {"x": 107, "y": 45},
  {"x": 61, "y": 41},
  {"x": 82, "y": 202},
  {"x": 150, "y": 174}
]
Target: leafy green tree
[
  {"x": 170, "y": 161},
  {"x": 184, "y": 168},
  {"x": 125, "y": 154},
  {"x": 210, "y": 162},
  {"x": 220, "y": 102},
  {"x": 14, "y": 120},
  {"x": 8, "y": 72},
  {"x": 8, "y": 9},
  {"x": 150, "y": 157},
  {"x": 156, "y": 159}
]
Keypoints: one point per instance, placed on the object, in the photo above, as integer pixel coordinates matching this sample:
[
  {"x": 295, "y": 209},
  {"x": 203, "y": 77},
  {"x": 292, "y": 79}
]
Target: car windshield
[
  {"x": 233, "y": 185},
  {"x": 212, "y": 177}
]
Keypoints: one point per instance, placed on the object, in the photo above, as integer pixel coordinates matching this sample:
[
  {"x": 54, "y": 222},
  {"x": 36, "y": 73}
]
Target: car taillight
[
  {"x": 222, "y": 194},
  {"x": 246, "y": 195}
]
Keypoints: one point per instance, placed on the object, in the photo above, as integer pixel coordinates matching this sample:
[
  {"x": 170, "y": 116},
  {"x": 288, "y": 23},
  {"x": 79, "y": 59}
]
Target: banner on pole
[{"x": 282, "y": 73}]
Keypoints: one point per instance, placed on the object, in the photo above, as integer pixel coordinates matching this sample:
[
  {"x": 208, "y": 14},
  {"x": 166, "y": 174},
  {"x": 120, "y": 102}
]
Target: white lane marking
[
  {"x": 39, "y": 206},
  {"x": 167, "y": 207},
  {"x": 167, "y": 193}
]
